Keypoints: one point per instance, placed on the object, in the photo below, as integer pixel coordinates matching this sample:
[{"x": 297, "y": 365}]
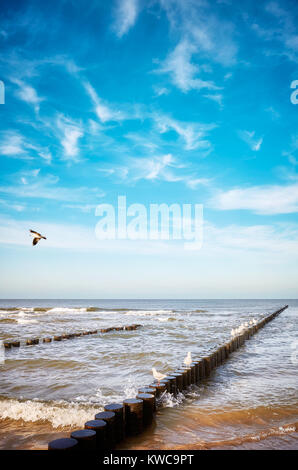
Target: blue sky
[{"x": 163, "y": 101}]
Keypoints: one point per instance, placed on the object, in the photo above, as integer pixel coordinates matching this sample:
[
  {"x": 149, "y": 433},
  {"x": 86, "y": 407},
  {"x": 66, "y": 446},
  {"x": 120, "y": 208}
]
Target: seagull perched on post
[
  {"x": 36, "y": 237},
  {"x": 187, "y": 361},
  {"x": 157, "y": 375}
]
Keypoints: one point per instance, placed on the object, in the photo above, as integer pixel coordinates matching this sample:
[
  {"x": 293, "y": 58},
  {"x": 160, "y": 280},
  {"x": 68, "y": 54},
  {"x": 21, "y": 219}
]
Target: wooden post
[
  {"x": 201, "y": 369},
  {"x": 173, "y": 387},
  {"x": 109, "y": 418},
  {"x": 167, "y": 384},
  {"x": 188, "y": 370},
  {"x": 133, "y": 409},
  {"x": 197, "y": 371},
  {"x": 179, "y": 380},
  {"x": 151, "y": 391},
  {"x": 100, "y": 427},
  {"x": 184, "y": 373},
  {"x": 118, "y": 409},
  {"x": 218, "y": 353},
  {"x": 207, "y": 364},
  {"x": 63, "y": 444},
  {"x": 86, "y": 439},
  {"x": 192, "y": 373},
  {"x": 148, "y": 407},
  {"x": 160, "y": 388}
]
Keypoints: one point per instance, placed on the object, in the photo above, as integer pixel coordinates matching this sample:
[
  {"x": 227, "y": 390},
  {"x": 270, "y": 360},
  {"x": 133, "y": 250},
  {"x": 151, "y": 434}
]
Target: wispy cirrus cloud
[
  {"x": 216, "y": 97},
  {"x": 164, "y": 168},
  {"x": 264, "y": 200},
  {"x": 125, "y": 15},
  {"x": 27, "y": 93},
  {"x": 103, "y": 111},
  {"x": 202, "y": 34},
  {"x": 250, "y": 138},
  {"x": 183, "y": 72},
  {"x": 282, "y": 30},
  {"x": 32, "y": 185},
  {"x": 193, "y": 134},
  {"x": 198, "y": 20},
  {"x": 13, "y": 145},
  {"x": 71, "y": 132}
]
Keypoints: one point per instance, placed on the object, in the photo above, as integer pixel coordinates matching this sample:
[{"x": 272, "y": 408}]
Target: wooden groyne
[
  {"x": 133, "y": 415},
  {"x": 32, "y": 341}
]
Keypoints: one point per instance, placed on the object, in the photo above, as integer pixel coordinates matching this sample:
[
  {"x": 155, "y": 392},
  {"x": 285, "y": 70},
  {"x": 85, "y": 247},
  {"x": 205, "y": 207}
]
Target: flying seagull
[
  {"x": 187, "y": 361},
  {"x": 36, "y": 237},
  {"x": 157, "y": 375}
]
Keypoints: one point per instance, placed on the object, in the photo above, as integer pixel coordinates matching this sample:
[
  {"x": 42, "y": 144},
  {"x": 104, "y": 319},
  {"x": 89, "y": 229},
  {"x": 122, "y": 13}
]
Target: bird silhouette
[{"x": 36, "y": 237}]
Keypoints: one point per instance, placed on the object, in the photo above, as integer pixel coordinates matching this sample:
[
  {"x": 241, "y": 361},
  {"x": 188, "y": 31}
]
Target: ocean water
[{"x": 249, "y": 402}]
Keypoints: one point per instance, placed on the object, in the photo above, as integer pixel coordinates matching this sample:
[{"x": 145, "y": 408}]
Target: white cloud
[
  {"x": 160, "y": 91},
  {"x": 15, "y": 207},
  {"x": 217, "y": 98},
  {"x": 266, "y": 200},
  {"x": 85, "y": 208},
  {"x": 252, "y": 141},
  {"x": 28, "y": 94},
  {"x": 71, "y": 133},
  {"x": 13, "y": 145},
  {"x": 152, "y": 168},
  {"x": 158, "y": 168},
  {"x": 104, "y": 112},
  {"x": 193, "y": 183},
  {"x": 126, "y": 13},
  {"x": 193, "y": 134},
  {"x": 202, "y": 34},
  {"x": 283, "y": 31},
  {"x": 33, "y": 186},
  {"x": 273, "y": 112},
  {"x": 182, "y": 71}
]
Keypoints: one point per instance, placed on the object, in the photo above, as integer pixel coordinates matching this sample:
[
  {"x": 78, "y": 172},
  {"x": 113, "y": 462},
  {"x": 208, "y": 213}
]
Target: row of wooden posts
[
  {"x": 109, "y": 427},
  {"x": 32, "y": 341}
]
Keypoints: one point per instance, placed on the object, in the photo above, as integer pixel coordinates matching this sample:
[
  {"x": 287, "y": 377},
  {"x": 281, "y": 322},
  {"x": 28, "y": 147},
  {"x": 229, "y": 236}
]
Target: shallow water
[{"x": 47, "y": 389}]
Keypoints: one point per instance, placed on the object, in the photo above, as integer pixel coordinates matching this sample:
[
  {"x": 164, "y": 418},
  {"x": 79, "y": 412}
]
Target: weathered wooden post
[
  {"x": 148, "y": 407},
  {"x": 172, "y": 381},
  {"x": 184, "y": 373},
  {"x": 100, "y": 428},
  {"x": 160, "y": 388},
  {"x": 63, "y": 444},
  {"x": 109, "y": 418},
  {"x": 179, "y": 380},
  {"x": 207, "y": 364},
  {"x": 86, "y": 439},
  {"x": 118, "y": 409},
  {"x": 133, "y": 409}
]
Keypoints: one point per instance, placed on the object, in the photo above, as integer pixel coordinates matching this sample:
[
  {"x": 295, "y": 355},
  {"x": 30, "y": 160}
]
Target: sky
[{"x": 163, "y": 102}]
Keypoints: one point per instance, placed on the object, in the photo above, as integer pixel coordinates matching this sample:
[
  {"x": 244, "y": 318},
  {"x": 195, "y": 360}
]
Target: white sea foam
[
  {"x": 164, "y": 319},
  {"x": 168, "y": 400},
  {"x": 130, "y": 389},
  {"x": 143, "y": 313},
  {"x": 67, "y": 310},
  {"x": 58, "y": 414},
  {"x": 25, "y": 321}
]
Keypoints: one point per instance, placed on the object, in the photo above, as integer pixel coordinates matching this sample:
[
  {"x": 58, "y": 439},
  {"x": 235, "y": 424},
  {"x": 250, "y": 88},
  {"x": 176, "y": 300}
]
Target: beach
[{"x": 49, "y": 390}]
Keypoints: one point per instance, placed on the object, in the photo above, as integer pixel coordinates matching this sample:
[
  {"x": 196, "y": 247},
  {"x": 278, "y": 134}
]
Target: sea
[{"x": 50, "y": 389}]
